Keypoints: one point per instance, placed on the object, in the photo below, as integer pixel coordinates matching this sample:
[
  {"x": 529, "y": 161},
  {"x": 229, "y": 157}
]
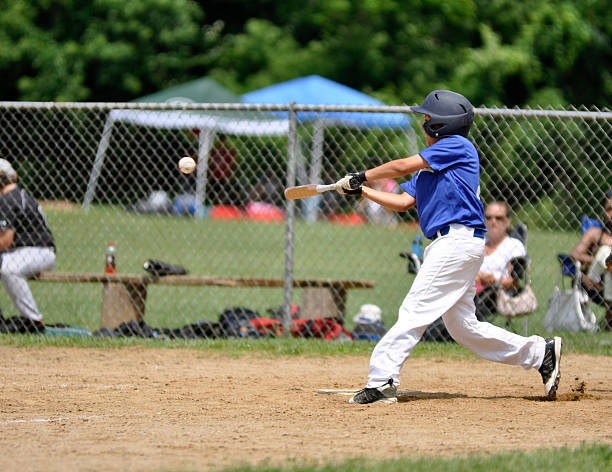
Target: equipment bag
[
  {"x": 569, "y": 309},
  {"x": 159, "y": 268}
]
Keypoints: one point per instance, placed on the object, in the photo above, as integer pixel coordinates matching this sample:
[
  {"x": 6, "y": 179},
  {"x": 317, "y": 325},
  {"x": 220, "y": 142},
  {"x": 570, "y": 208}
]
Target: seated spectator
[
  {"x": 599, "y": 277},
  {"x": 591, "y": 242},
  {"x": 596, "y": 236},
  {"x": 26, "y": 243},
  {"x": 496, "y": 269}
]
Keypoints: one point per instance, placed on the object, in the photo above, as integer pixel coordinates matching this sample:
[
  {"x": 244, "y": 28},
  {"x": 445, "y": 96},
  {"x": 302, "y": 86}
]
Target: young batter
[{"x": 446, "y": 191}]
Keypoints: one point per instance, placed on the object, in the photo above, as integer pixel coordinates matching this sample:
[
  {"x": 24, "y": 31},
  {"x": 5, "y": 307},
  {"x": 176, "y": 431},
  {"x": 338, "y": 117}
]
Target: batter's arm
[
  {"x": 397, "y": 168},
  {"x": 393, "y": 201}
]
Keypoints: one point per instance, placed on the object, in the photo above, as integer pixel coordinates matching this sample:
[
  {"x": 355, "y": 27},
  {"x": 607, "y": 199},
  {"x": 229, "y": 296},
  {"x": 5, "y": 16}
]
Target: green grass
[
  {"x": 586, "y": 458},
  {"x": 237, "y": 347},
  {"x": 251, "y": 249},
  {"x": 282, "y": 346}
]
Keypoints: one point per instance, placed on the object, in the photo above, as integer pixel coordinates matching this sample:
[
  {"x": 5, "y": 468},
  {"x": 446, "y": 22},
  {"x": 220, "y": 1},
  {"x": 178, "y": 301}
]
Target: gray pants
[{"x": 17, "y": 266}]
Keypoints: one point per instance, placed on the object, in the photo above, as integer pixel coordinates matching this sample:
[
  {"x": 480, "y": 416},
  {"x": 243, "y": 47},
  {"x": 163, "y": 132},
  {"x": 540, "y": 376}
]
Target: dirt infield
[{"x": 139, "y": 409}]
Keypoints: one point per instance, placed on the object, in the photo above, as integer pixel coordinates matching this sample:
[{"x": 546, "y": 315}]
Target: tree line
[{"x": 496, "y": 52}]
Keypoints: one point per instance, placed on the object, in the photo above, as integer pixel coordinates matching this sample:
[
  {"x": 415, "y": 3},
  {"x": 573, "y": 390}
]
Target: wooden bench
[{"x": 124, "y": 295}]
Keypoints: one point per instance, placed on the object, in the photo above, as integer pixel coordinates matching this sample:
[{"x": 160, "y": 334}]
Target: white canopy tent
[{"x": 208, "y": 124}]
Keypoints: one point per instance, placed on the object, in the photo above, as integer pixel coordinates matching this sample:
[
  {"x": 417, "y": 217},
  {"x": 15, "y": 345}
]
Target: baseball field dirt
[{"x": 141, "y": 409}]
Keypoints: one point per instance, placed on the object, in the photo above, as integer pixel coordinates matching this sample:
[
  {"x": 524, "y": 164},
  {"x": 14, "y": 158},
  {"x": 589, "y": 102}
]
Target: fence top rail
[{"x": 263, "y": 107}]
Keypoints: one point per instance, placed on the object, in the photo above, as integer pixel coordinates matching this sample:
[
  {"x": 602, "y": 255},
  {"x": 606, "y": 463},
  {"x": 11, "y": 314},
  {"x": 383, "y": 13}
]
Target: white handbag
[
  {"x": 522, "y": 304},
  {"x": 569, "y": 309}
]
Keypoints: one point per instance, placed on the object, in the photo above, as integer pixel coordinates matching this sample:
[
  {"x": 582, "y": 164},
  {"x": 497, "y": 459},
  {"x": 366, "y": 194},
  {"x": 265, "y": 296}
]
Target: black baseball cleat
[
  {"x": 386, "y": 393},
  {"x": 550, "y": 366}
]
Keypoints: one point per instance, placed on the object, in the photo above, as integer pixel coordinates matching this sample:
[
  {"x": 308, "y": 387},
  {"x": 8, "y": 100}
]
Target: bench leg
[
  {"x": 323, "y": 302},
  {"x": 122, "y": 302},
  {"x": 339, "y": 295}
]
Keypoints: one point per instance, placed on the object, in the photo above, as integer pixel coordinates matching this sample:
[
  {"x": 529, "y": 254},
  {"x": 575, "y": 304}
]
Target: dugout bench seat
[{"x": 124, "y": 295}]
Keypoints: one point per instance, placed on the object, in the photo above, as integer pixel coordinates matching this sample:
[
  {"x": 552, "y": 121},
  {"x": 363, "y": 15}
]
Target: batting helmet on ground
[{"x": 450, "y": 112}]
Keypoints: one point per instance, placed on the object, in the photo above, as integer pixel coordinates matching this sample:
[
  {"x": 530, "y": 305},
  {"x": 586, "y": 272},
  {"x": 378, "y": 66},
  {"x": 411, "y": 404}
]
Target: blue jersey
[{"x": 449, "y": 191}]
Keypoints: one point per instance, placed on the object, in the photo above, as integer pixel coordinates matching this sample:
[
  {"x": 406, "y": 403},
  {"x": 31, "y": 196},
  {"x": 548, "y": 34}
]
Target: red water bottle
[{"x": 111, "y": 259}]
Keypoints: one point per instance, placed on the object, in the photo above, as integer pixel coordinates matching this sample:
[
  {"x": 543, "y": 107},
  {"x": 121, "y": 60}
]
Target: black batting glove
[
  {"x": 357, "y": 179},
  {"x": 354, "y": 192},
  {"x": 352, "y": 181}
]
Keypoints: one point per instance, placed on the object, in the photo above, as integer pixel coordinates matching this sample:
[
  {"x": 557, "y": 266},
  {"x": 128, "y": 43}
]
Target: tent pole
[
  {"x": 290, "y": 215},
  {"x": 98, "y": 163},
  {"x": 207, "y": 136}
]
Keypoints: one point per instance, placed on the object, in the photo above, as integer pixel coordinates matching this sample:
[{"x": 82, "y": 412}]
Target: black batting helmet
[{"x": 450, "y": 112}]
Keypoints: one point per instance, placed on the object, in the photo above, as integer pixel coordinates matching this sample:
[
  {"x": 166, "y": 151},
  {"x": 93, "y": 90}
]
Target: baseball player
[
  {"x": 26, "y": 243},
  {"x": 446, "y": 191}
]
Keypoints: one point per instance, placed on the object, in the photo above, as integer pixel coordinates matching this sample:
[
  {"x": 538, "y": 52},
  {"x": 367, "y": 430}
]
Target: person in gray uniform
[{"x": 27, "y": 246}]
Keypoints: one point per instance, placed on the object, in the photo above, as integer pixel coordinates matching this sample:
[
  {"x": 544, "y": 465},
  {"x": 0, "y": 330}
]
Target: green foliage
[
  {"x": 493, "y": 72},
  {"x": 102, "y": 49},
  {"x": 263, "y": 54},
  {"x": 494, "y": 51}
]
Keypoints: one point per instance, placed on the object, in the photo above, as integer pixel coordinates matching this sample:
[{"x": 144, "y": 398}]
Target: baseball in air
[{"x": 187, "y": 165}]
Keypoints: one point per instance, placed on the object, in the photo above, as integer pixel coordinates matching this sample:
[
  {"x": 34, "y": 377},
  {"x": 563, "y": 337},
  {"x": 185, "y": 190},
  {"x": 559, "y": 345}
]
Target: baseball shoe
[
  {"x": 550, "y": 366},
  {"x": 386, "y": 393}
]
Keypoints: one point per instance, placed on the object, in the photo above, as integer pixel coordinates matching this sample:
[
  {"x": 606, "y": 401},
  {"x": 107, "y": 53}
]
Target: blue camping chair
[{"x": 588, "y": 223}]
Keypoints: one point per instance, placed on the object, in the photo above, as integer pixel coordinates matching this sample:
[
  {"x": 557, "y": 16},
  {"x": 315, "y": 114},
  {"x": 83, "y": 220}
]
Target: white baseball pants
[
  {"x": 444, "y": 286},
  {"x": 17, "y": 266}
]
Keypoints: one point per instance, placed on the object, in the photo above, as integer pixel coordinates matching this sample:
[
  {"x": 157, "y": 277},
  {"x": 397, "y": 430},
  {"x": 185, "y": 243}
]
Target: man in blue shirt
[{"x": 446, "y": 191}]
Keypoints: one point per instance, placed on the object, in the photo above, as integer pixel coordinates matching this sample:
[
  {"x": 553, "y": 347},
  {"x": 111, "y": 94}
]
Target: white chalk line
[
  {"x": 52, "y": 420},
  {"x": 80, "y": 417}
]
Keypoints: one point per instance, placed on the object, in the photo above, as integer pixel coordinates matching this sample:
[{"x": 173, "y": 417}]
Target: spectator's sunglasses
[{"x": 495, "y": 217}]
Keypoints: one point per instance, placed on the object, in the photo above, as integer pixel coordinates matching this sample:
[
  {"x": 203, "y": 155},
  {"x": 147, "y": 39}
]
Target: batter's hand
[
  {"x": 352, "y": 181},
  {"x": 352, "y": 192}
]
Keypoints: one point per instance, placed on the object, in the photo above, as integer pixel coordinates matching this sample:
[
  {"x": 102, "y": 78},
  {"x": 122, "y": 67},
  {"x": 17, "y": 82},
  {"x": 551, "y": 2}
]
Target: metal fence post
[{"x": 290, "y": 214}]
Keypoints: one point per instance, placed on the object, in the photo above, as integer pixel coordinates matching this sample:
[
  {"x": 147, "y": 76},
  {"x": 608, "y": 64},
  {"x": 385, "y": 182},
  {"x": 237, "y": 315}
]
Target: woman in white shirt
[{"x": 500, "y": 249}]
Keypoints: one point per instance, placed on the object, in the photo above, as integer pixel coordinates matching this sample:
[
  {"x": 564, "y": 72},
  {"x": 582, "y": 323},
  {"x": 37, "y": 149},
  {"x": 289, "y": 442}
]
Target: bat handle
[{"x": 326, "y": 188}]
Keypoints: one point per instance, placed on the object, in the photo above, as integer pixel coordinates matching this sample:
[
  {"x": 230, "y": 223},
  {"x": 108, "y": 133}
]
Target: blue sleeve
[
  {"x": 446, "y": 153},
  {"x": 410, "y": 186}
]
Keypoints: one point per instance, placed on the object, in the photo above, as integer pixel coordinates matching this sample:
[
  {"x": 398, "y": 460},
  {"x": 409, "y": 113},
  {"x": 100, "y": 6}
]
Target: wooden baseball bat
[{"x": 310, "y": 190}]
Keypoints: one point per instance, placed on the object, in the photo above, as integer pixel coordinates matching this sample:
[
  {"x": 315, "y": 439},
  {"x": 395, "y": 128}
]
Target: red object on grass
[
  {"x": 225, "y": 212},
  {"x": 262, "y": 211},
  {"x": 349, "y": 219}
]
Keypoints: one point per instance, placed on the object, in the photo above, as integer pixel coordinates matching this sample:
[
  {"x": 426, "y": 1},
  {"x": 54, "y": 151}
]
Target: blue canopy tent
[{"x": 317, "y": 90}]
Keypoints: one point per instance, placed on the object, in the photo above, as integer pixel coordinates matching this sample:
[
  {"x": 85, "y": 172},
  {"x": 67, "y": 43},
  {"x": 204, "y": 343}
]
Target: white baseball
[{"x": 187, "y": 165}]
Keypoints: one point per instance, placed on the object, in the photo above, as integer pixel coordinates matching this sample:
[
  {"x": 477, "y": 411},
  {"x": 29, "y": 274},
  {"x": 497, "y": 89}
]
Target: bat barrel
[{"x": 304, "y": 191}]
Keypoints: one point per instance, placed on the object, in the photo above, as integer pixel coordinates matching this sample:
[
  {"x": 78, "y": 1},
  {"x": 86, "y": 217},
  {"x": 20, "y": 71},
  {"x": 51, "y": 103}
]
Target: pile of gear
[{"x": 241, "y": 322}]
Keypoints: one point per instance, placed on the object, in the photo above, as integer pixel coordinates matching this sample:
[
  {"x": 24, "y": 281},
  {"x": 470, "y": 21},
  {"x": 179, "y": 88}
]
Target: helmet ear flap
[{"x": 469, "y": 117}]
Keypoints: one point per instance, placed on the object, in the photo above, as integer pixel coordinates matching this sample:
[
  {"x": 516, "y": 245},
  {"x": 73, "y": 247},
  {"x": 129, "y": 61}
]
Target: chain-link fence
[{"x": 257, "y": 264}]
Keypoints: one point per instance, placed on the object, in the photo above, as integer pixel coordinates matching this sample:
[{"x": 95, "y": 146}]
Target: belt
[{"x": 478, "y": 233}]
